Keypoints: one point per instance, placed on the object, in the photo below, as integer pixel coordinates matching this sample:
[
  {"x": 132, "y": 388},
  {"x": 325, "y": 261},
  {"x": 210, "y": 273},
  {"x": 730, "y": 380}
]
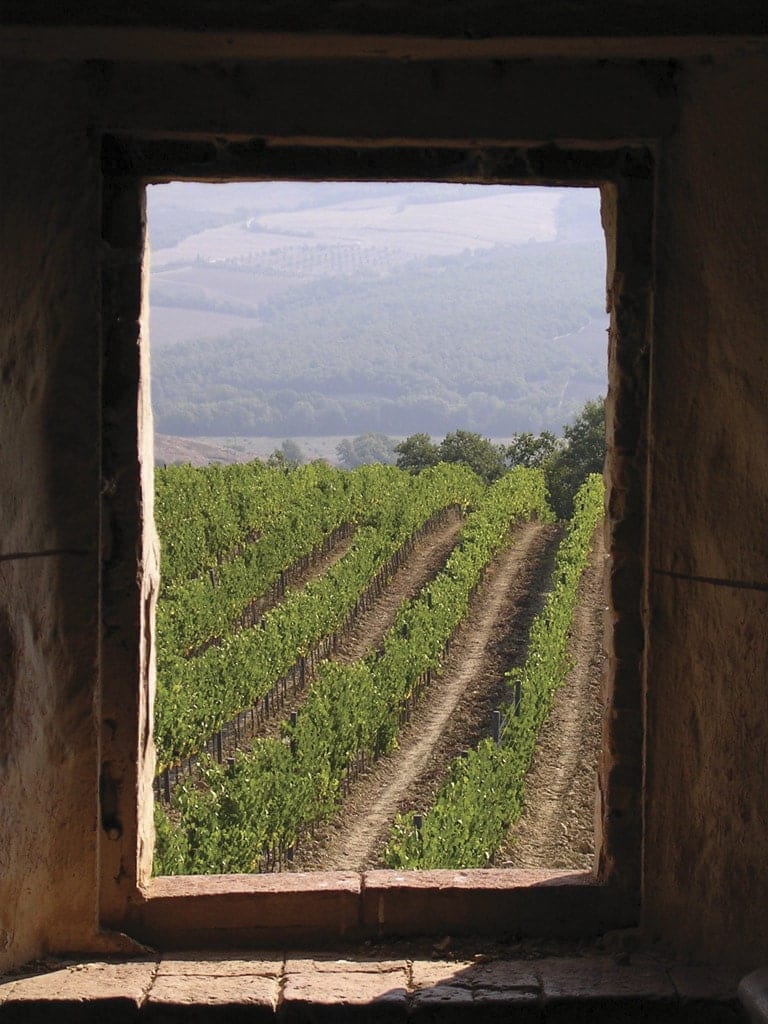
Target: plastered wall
[{"x": 706, "y": 839}]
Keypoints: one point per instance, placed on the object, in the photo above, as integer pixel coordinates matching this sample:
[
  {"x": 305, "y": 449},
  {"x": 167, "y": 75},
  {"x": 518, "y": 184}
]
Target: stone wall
[
  {"x": 706, "y": 789},
  {"x": 707, "y": 794},
  {"x": 49, "y": 504}
]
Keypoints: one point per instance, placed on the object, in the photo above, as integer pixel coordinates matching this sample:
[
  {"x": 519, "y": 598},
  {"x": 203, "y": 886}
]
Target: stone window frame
[{"x": 335, "y": 907}]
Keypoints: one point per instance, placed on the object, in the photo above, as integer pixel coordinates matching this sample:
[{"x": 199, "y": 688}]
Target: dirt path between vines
[
  {"x": 421, "y": 566},
  {"x": 295, "y": 577},
  {"x": 453, "y": 713},
  {"x": 367, "y": 632},
  {"x": 557, "y": 828}
]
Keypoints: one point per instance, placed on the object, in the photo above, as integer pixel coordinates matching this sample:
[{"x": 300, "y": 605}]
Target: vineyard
[{"x": 305, "y": 616}]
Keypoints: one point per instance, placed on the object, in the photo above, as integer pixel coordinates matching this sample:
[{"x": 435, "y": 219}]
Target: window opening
[{"x": 358, "y": 323}]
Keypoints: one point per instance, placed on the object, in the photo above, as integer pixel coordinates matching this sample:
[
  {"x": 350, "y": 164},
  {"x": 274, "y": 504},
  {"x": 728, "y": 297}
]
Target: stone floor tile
[
  {"x": 705, "y": 981},
  {"x": 7, "y": 985},
  {"x": 585, "y": 977},
  {"x": 335, "y": 991},
  {"x": 209, "y": 997},
  {"x": 707, "y": 994},
  {"x": 430, "y": 973},
  {"x": 499, "y": 990},
  {"x": 91, "y": 991},
  {"x": 600, "y": 989},
  {"x": 453, "y": 1004}
]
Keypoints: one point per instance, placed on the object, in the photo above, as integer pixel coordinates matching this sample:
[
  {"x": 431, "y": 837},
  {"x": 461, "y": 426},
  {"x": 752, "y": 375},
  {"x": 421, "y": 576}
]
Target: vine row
[
  {"x": 248, "y": 815},
  {"x": 243, "y": 727},
  {"x": 196, "y": 696},
  {"x": 483, "y": 793}
]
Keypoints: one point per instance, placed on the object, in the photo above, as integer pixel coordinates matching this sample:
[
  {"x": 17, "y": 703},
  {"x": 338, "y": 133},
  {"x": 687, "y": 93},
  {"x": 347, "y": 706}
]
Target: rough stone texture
[
  {"x": 203, "y": 965},
  {"x": 618, "y": 104},
  {"x": 49, "y": 496},
  {"x": 753, "y": 995},
  {"x": 529, "y": 902},
  {"x": 83, "y": 991},
  {"x": 461, "y": 991},
  {"x": 240, "y": 987},
  {"x": 190, "y": 987},
  {"x": 224, "y": 997},
  {"x": 706, "y": 993},
  {"x": 688, "y": 590},
  {"x": 589, "y": 988},
  {"x": 260, "y": 910},
  {"x": 337, "y": 990},
  {"x": 707, "y": 746}
]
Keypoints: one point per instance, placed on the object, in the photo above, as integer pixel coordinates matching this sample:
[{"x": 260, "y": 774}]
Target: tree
[
  {"x": 365, "y": 449},
  {"x": 417, "y": 452},
  {"x": 287, "y": 456},
  {"x": 530, "y": 450},
  {"x": 479, "y": 453},
  {"x": 582, "y": 453},
  {"x": 292, "y": 451},
  {"x": 277, "y": 460}
]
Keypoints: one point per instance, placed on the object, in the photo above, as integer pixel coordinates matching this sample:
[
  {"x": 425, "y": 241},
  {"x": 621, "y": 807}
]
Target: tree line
[{"x": 567, "y": 461}]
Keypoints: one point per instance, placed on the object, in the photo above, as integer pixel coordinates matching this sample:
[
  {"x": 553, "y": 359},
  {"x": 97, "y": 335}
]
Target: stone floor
[{"x": 302, "y": 987}]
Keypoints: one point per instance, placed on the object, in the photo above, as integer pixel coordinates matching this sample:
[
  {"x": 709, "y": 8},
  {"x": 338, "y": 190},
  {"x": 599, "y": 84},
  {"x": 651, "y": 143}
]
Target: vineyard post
[
  {"x": 518, "y": 696},
  {"x": 496, "y": 727},
  {"x": 418, "y": 824},
  {"x": 219, "y": 752}
]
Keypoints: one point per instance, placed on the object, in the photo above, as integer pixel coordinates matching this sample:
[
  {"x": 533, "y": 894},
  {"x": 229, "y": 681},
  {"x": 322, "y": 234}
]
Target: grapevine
[
  {"x": 267, "y": 796},
  {"x": 482, "y": 795}
]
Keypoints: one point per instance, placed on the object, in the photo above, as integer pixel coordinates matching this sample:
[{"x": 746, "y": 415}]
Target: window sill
[{"x": 305, "y": 910}]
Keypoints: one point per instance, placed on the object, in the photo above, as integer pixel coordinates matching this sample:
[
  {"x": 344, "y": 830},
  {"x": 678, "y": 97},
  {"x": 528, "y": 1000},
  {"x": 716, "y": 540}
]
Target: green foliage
[
  {"x": 461, "y": 447},
  {"x": 365, "y": 450},
  {"x": 483, "y": 793},
  {"x": 273, "y": 791},
  {"x": 204, "y": 515},
  {"x": 298, "y": 510},
  {"x": 197, "y": 695},
  {"x": 582, "y": 453},
  {"x": 288, "y": 456},
  {"x": 479, "y": 453},
  {"x": 478, "y": 339},
  {"x": 527, "y": 449},
  {"x": 417, "y": 452}
]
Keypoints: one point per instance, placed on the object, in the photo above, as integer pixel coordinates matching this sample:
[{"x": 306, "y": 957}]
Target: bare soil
[
  {"x": 367, "y": 631},
  {"x": 556, "y": 829},
  {"x": 454, "y": 713}
]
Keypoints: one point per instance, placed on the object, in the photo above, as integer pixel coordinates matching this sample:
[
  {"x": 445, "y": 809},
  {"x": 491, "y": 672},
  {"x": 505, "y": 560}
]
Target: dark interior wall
[
  {"x": 49, "y": 497},
  {"x": 706, "y": 838},
  {"x": 706, "y": 883}
]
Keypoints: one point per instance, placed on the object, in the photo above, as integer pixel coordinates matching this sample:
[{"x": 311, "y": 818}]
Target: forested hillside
[{"x": 396, "y": 312}]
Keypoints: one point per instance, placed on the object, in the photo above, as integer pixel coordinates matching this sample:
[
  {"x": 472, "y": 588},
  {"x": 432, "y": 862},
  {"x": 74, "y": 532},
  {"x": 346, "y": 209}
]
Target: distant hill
[{"x": 286, "y": 309}]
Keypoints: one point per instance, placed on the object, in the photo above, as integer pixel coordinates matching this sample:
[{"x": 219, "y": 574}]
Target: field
[
  {"x": 345, "y": 308},
  {"x": 337, "y": 650}
]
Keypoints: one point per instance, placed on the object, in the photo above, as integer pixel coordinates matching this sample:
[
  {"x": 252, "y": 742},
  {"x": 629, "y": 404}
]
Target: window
[{"x": 302, "y": 909}]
